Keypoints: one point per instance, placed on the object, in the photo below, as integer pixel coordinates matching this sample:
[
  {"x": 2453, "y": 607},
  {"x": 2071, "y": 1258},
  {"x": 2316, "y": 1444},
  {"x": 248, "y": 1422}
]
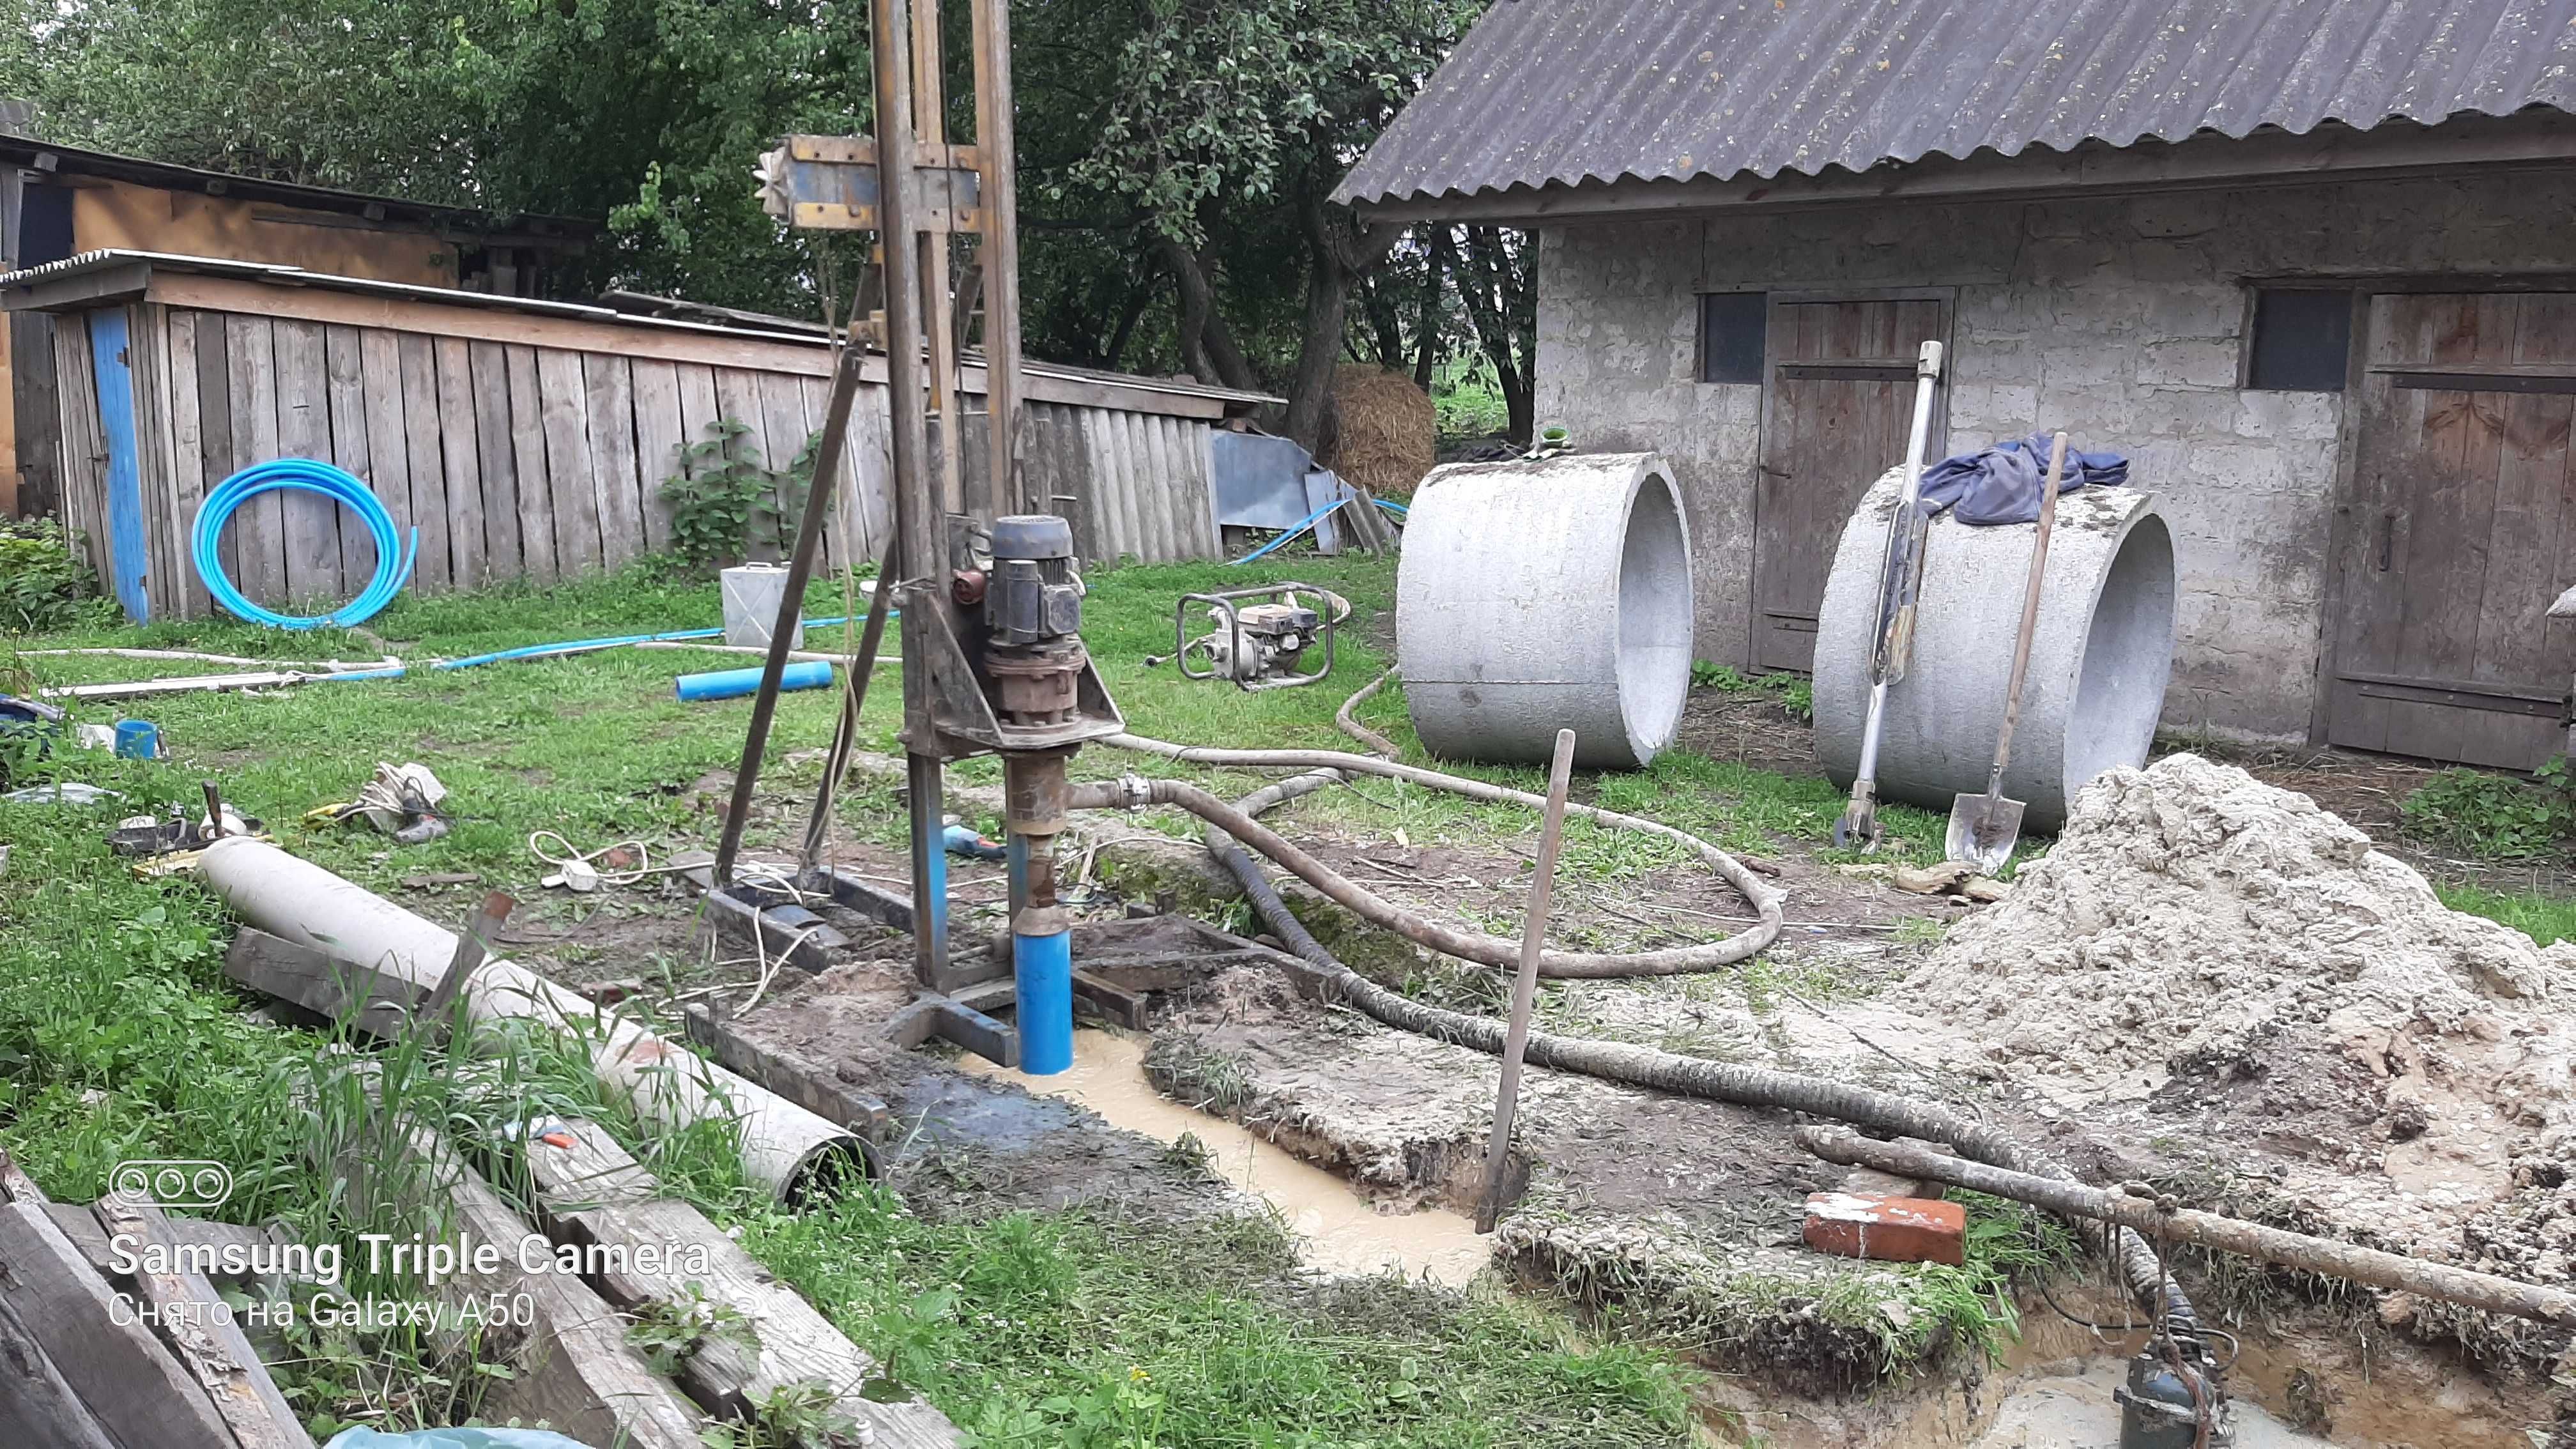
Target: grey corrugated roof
[{"x": 1567, "y": 91}]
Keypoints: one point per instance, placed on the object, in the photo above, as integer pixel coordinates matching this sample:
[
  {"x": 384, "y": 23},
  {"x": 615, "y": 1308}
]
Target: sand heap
[{"x": 2192, "y": 920}]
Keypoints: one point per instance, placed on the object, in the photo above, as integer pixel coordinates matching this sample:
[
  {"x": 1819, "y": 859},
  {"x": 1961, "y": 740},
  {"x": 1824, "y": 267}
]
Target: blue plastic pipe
[
  {"x": 734, "y": 683},
  {"x": 1042, "y": 975},
  {"x": 1310, "y": 522},
  {"x": 301, "y": 475}
]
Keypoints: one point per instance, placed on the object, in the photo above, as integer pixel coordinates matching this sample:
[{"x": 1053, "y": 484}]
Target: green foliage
[
  {"x": 725, "y": 500},
  {"x": 1796, "y": 692},
  {"x": 668, "y": 1334},
  {"x": 44, "y": 585},
  {"x": 2494, "y": 816}
]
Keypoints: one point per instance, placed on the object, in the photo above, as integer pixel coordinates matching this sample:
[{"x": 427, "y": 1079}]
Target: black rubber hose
[{"x": 1663, "y": 1071}]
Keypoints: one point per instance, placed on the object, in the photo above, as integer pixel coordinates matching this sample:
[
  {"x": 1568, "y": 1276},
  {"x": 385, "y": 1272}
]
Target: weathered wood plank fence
[{"x": 524, "y": 440}]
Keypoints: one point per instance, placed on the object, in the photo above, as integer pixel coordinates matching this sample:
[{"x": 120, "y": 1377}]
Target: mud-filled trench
[
  {"x": 1338, "y": 1230},
  {"x": 2307, "y": 1386}
]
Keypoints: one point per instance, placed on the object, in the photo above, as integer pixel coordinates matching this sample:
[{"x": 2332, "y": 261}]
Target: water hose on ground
[
  {"x": 1490, "y": 950},
  {"x": 1348, "y": 720},
  {"x": 1613, "y": 1061}
]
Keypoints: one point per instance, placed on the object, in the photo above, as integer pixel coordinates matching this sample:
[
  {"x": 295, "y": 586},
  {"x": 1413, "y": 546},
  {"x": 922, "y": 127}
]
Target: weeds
[
  {"x": 44, "y": 583},
  {"x": 670, "y": 1333},
  {"x": 724, "y": 499},
  {"x": 1797, "y": 694},
  {"x": 2495, "y": 816}
]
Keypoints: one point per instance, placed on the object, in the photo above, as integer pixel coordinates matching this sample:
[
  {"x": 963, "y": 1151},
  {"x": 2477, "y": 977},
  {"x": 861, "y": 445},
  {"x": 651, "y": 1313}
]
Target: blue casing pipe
[
  {"x": 734, "y": 683},
  {"x": 1042, "y": 971}
]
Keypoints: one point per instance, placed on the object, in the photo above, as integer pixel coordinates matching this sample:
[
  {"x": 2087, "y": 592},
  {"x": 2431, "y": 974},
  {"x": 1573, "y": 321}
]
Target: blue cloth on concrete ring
[{"x": 2001, "y": 484}]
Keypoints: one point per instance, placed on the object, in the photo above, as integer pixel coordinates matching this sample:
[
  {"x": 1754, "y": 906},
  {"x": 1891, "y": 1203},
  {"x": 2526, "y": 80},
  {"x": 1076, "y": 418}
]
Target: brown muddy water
[{"x": 1340, "y": 1231}]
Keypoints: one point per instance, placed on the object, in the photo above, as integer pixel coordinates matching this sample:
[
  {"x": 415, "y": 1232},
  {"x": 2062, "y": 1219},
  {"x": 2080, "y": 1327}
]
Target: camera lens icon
[{"x": 171, "y": 1183}]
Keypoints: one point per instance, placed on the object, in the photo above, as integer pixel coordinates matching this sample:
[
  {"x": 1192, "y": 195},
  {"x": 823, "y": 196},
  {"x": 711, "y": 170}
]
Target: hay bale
[{"x": 1383, "y": 439}]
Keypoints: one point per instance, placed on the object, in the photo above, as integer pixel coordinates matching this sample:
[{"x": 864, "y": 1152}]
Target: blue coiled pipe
[{"x": 394, "y": 557}]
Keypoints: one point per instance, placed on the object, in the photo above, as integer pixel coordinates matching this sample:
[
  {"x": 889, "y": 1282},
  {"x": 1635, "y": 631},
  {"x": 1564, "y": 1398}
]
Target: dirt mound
[
  {"x": 1384, "y": 439},
  {"x": 2191, "y": 914}
]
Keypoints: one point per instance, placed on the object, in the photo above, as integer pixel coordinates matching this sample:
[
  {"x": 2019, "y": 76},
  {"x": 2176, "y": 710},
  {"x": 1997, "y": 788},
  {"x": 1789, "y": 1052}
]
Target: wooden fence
[{"x": 523, "y": 440}]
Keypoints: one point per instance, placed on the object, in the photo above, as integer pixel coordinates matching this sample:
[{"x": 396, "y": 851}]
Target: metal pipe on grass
[{"x": 1560, "y": 775}]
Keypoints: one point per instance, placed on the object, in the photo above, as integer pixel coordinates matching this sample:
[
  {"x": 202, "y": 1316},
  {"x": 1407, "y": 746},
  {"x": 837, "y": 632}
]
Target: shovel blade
[{"x": 1983, "y": 831}]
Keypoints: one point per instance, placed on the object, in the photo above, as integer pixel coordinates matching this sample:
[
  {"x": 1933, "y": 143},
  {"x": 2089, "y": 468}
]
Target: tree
[{"x": 1229, "y": 119}]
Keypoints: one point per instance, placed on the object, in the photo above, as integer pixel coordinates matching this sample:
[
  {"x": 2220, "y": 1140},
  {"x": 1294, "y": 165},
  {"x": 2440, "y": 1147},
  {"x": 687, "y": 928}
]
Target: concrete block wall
[{"x": 2121, "y": 319}]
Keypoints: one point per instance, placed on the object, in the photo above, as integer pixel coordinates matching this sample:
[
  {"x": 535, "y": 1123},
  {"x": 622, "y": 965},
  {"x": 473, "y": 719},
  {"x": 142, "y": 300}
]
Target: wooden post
[
  {"x": 1560, "y": 777},
  {"x": 210, "y": 1345},
  {"x": 999, "y": 259}
]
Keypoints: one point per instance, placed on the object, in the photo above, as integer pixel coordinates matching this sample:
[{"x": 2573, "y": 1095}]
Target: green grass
[{"x": 2543, "y": 918}]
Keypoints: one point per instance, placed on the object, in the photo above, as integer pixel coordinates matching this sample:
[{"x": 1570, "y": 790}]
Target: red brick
[{"x": 1891, "y": 1229}]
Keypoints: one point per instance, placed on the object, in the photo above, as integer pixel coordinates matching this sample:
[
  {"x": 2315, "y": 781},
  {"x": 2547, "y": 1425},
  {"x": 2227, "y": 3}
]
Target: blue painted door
[{"x": 127, "y": 555}]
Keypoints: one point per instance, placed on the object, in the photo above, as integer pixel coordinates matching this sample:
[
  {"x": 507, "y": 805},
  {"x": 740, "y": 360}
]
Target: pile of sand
[{"x": 2192, "y": 919}]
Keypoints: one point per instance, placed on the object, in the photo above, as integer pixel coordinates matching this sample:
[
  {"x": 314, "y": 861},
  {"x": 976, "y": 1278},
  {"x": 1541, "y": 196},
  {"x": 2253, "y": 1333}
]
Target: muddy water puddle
[{"x": 1341, "y": 1231}]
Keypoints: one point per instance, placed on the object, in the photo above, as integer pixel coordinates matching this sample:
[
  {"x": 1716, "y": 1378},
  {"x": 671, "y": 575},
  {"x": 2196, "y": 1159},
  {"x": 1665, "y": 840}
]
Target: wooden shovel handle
[{"x": 2029, "y": 608}]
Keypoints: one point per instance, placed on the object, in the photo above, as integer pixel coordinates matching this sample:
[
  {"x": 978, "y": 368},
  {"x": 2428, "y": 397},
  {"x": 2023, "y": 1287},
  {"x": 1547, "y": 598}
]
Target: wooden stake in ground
[{"x": 1560, "y": 774}]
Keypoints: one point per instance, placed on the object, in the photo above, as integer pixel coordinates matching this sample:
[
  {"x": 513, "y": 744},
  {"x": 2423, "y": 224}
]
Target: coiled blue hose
[{"x": 393, "y": 559}]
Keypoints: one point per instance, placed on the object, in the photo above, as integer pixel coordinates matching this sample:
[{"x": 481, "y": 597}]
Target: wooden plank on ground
[
  {"x": 380, "y": 386},
  {"x": 345, "y": 368},
  {"x": 571, "y": 1366},
  {"x": 528, "y": 455},
  {"x": 608, "y": 394},
  {"x": 304, "y": 431},
  {"x": 572, "y": 494},
  {"x": 198, "y": 1326},
  {"x": 128, "y": 1381},
  {"x": 378, "y": 1003},
  {"x": 259, "y": 527},
  {"x": 594, "y": 1193},
  {"x": 658, "y": 439},
  {"x": 462, "y": 464},
  {"x": 36, "y": 1406},
  {"x": 497, "y": 462},
  {"x": 435, "y": 572}
]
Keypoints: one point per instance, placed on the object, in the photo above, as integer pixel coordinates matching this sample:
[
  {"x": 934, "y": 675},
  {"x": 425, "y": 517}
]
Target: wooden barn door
[
  {"x": 2462, "y": 521},
  {"x": 1840, "y": 400}
]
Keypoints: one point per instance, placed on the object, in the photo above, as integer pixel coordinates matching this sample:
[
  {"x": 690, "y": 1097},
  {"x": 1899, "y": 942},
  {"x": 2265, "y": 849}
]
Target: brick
[{"x": 1890, "y": 1229}]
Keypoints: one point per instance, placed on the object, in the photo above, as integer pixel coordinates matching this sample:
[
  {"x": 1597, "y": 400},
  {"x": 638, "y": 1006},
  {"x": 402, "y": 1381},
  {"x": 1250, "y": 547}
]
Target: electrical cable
[{"x": 302, "y": 475}]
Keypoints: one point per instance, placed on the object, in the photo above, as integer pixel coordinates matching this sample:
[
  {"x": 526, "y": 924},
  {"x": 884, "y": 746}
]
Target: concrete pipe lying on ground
[
  {"x": 783, "y": 1144},
  {"x": 1537, "y": 596},
  {"x": 2098, "y": 658}
]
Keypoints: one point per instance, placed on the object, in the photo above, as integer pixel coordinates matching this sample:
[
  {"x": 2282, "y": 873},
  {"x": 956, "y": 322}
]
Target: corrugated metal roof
[
  {"x": 1561, "y": 92},
  {"x": 20, "y": 149}
]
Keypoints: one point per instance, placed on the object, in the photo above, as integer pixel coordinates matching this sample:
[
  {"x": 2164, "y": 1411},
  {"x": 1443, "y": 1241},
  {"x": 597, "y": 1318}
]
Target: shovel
[
  {"x": 1899, "y": 571},
  {"x": 1984, "y": 828}
]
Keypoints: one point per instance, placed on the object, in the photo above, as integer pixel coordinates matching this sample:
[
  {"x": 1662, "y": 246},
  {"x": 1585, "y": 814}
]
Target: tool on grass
[
  {"x": 1900, "y": 574},
  {"x": 1984, "y": 828},
  {"x": 1560, "y": 774}
]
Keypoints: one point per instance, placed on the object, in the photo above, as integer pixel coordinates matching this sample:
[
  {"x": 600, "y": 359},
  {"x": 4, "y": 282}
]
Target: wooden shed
[{"x": 524, "y": 439}]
